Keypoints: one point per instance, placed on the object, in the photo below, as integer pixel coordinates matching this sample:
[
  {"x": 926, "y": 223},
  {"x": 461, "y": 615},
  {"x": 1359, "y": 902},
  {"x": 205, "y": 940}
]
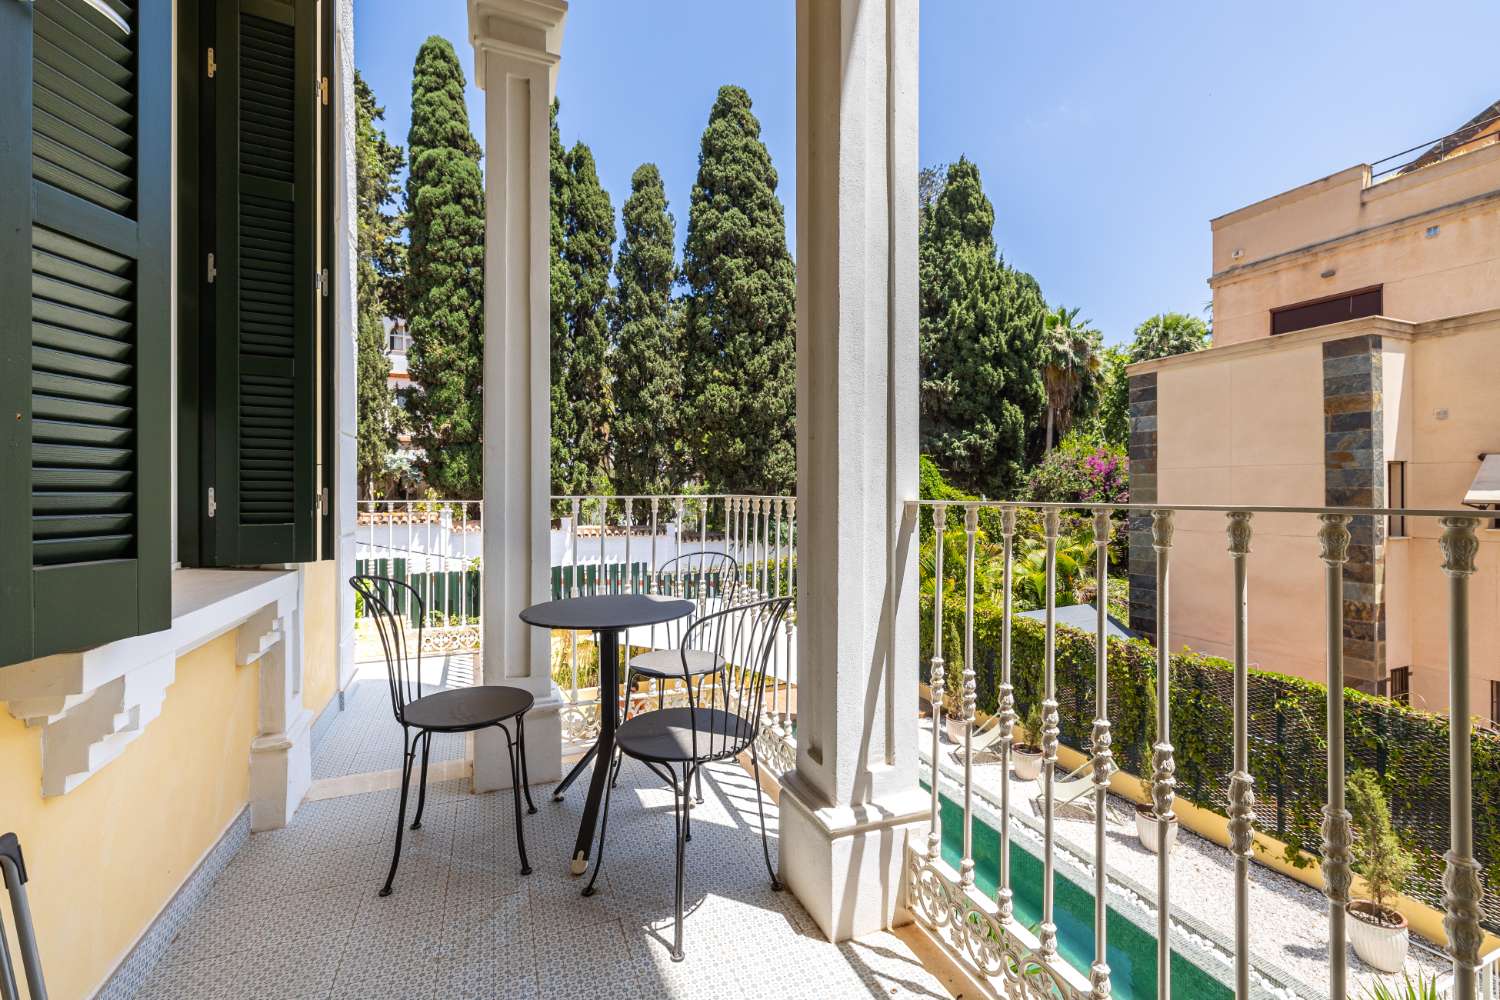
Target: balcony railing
[
  {"x": 599, "y": 544},
  {"x": 983, "y": 928}
]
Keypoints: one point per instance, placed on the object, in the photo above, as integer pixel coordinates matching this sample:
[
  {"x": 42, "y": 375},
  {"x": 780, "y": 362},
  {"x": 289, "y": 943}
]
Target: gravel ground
[{"x": 1289, "y": 922}]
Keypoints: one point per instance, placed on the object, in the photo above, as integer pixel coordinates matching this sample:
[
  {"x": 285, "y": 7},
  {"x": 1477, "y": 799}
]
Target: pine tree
[
  {"x": 564, "y": 428},
  {"x": 982, "y": 398},
  {"x": 644, "y": 324},
  {"x": 445, "y": 274},
  {"x": 740, "y": 319},
  {"x": 588, "y": 251},
  {"x": 376, "y": 163}
]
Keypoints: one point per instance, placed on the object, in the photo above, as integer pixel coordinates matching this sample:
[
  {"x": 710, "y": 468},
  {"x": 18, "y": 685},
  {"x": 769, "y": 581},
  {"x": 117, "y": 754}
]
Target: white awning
[{"x": 1484, "y": 492}]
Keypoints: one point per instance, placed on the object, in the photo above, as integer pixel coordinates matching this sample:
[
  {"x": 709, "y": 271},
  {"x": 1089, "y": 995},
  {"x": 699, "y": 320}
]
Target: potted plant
[
  {"x": 1148, "y": 827},
  {"x": 1378, "y": 930},
  {"x": 1028, "y": 756},
  {"x": 953, "y": 714}
]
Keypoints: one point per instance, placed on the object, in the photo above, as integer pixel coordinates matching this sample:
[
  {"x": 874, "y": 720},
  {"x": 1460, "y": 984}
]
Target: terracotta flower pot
[
  {"x": 1148, "y": 829},
  {"x": 1027, "y": 761},
  {"x": 1379, "y": 934}
]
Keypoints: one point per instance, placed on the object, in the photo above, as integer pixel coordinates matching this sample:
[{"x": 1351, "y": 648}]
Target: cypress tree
[
  {"x": 445, "y": 275},
  {"x": 564, "y": 428},
  {"x": 644, "y": 324},
  {"x": 376, "y": 163},
  {"x": 982, "y": 398},
  {"x": 740, "y": 311},
  {"x": 588, "y": 251}
]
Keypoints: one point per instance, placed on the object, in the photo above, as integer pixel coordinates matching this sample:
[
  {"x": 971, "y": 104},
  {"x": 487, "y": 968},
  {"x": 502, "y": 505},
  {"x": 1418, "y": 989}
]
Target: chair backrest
[
  {"x": 383, "y": 598},
  {"x": 745, "y": 635},
  {"x": 711, "y": 580}
]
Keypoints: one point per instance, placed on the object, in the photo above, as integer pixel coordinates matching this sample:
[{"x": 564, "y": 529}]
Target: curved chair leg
[
  {"x": 515, "y": 791},
  {"x": 614, "y": 774},
  {"x": 629, "y": 689},
  {"x": 765, "y": 844},
  {"x": 588, "y": 890},
  {"x": 410, "y": 755},
  {"x": 426, "y": 739},
  {"x": 687, "y": 803},
  {"x": 525, "y": 774},
  {"x": 661, "y": 693},
  {"x": 683, "y": 837}
]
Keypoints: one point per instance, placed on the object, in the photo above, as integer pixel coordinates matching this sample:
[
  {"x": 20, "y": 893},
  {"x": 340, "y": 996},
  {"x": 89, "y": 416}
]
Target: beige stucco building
[{"x": 1354, "y": 363}]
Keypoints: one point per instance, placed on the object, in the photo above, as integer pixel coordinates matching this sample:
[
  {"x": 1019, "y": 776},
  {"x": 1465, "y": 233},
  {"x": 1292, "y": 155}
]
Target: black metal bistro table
[{"x": 607, "y": 615}]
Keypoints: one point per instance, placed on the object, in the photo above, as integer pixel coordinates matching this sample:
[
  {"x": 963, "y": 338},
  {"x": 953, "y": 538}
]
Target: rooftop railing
[{"x": 1463, "y": 140}]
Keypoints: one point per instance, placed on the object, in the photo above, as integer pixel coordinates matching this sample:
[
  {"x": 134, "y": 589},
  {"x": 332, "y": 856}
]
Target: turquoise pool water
[{"x": 1132, "y": 951}]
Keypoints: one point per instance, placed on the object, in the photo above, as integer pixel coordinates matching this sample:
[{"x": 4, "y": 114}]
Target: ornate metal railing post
[
  {"x": 1462, "y": 885},
  {"x": 935, "y": 680},
  {"x": 1103, "y": 756},
  {"x": 1337, "y": 836},
  {"x": 971, "y": 532},
  {"x": 1163, "y": 763},
  {"x": 1047, "y": 932},
  {"x": 1003, "y": 895},
  {"x": 1241, "y": 783}
]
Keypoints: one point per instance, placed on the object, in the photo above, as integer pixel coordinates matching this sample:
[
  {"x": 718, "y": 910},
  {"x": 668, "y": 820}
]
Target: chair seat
[
  {"x": 667, "y": 663},
  {"x": 666, "y": 735},
  {"x": 463, "y": 709}
]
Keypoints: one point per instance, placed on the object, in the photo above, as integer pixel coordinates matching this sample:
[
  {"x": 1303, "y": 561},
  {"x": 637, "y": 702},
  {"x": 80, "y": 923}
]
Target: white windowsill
[{"x": 91, "y": 704}]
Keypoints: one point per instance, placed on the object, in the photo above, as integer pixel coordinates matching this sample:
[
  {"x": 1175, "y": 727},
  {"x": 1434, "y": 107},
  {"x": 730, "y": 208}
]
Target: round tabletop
[{"x": 606, "y": 612}]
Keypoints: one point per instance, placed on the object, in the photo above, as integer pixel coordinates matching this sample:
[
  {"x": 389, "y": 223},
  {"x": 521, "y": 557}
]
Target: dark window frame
[
  {"x": 1323, "y": 311},
  {"x": 1398, "y": 685}
]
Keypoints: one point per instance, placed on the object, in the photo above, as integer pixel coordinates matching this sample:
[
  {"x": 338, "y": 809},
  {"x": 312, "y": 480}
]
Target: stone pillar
[
  {"x": 1354, "y": 476},
  {"x": 517, "y": 44},
  {"x": 1143, "y": 448},
  {"x": 853, "y": 799}
]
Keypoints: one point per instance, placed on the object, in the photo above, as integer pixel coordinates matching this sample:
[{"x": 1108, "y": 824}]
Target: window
[
  {"x": 85, "y": 447},
  {"x": 1321, "y": 312},
  {"x": 1395, "y": 496},
  {"x": 1398, "y": 685},
  {"x": 254, "y": 365}
]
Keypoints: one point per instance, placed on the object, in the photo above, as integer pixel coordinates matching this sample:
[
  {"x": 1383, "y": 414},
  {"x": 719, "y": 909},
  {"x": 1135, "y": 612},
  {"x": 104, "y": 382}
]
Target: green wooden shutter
[
  {"x": 84, "y": 327},
  {"x": 264, "y": 299}
]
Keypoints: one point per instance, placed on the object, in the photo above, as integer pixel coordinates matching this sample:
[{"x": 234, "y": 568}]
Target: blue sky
[{"x": 1108, "y": 135}]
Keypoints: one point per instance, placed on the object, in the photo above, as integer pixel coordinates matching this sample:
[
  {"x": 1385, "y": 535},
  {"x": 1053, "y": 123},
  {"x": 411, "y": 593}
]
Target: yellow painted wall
[
  {"x": 320, "y": 634},
  {"x": 106, "y": 857}
]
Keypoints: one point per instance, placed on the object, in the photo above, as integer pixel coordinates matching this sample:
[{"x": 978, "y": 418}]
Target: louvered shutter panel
[
  {"x": 265, "y": 300},
  {"x": 84, "y": 324}
]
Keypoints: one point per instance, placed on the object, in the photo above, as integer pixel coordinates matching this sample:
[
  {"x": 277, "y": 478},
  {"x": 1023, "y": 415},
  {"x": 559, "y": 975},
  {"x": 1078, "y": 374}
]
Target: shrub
[
  {"x": 1077, "y": 473},
  {"x": 1378, "y": 854},
  {"x": 1288, "y": 746}
]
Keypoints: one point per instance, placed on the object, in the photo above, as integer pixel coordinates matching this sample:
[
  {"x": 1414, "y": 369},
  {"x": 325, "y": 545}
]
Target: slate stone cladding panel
[
  {"x": 1143, "y": 449},
  {"x": 1354, "y": 476}
]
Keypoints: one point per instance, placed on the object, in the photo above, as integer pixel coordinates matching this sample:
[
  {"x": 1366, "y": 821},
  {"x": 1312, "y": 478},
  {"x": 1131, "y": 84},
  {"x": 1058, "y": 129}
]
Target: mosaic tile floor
[
  {"x": 296, "y": 914},
  {"x": 364, "y": 736}
]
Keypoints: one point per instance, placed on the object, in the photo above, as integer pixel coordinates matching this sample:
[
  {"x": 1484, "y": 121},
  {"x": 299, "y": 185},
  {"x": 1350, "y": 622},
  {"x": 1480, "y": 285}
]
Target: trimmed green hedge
[{"x": 1288, "y": 744}]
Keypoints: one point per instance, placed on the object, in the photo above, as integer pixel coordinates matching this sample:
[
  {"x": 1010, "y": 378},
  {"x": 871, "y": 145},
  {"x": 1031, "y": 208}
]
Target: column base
[
  {"x": 543, "y": 748},
  {"x": 845, "y": 864},
  {"x": 280, "y": 774}
]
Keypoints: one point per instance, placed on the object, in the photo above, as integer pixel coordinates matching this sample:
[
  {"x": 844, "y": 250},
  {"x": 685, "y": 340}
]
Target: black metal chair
[
  {"x": 711, "y": 580},
  {"x": 689, "y": 738},
  {"x": 460, "y": 710}
]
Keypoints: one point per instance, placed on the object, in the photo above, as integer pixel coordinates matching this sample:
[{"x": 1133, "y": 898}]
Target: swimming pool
[{"x": 1131, "y": 951}]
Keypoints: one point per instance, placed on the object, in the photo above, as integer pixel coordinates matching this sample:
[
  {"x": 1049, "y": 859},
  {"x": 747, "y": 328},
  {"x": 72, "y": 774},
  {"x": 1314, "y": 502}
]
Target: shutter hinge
[
  {"x": 323, "y": 281},
  {"x": 212, "y": 66},
  {"x": 323, "y": 90},
  {"x": 323, "y": 500},
  {"x": 213, "y": 271},
  {"x": 213, "y": 505}
]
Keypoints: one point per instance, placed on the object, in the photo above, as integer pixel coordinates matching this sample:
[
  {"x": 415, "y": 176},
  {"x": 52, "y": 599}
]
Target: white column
[
  {"x": 516, "y": 50},
  {"x": 853, "y": 799}
]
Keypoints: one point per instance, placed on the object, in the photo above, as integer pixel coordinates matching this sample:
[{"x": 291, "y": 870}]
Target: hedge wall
[{"x": 1288, "y": 744}]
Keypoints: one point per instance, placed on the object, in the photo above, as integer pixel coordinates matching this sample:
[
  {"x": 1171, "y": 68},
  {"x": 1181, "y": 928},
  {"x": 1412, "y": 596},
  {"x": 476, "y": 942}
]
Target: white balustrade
[{"x": 985, "y": 932}]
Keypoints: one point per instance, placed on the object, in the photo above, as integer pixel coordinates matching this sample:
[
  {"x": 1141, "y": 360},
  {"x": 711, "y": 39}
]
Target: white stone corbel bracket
[{"x": 92, "y": 704}]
